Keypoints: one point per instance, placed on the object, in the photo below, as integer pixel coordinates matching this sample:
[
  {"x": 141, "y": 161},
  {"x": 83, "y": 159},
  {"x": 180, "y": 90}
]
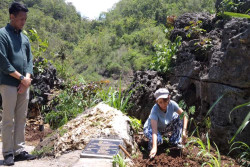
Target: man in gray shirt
[{"x": 16, "y": 69}]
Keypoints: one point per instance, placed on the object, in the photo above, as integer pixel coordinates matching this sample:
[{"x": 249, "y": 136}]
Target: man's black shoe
[
  {"x": 8, "y": 160},
  {"x": 24, "y": 156}
]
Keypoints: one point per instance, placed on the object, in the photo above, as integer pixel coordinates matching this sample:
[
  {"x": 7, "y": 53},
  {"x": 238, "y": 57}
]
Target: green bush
[
  {"x": 115, "y": 98},
  {"x": 68, "y": 106},
  {"x": 164, "y": 53},
  {"x": 114, "y": 68},
  {"x": 70, "y": 102},
  {"x": 118, "y": 160},
  {"x": 136, "y": 124}
]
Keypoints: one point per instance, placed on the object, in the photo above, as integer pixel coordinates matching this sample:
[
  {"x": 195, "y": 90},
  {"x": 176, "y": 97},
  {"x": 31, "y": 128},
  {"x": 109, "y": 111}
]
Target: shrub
[
  {"x": 136, "y": 124},
  {"x": 117, "y": 99},
  {"x": 162, "y": 59}
]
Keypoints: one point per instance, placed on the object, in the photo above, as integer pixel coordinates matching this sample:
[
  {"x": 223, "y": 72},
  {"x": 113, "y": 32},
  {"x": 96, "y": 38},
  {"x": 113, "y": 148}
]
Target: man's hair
[{"x": 17, "y": 7}]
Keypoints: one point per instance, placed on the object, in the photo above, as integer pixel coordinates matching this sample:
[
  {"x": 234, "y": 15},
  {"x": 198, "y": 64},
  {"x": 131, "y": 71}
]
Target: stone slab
[{"x": 101, "y": 148}]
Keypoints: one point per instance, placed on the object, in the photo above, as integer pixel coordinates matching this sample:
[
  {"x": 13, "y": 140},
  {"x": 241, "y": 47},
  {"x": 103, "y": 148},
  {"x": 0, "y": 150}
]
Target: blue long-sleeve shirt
[{"x": 15, "y": 55}]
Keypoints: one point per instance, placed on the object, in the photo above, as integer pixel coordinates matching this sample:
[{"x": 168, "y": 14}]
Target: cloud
[{"x": 92, "y": 8}]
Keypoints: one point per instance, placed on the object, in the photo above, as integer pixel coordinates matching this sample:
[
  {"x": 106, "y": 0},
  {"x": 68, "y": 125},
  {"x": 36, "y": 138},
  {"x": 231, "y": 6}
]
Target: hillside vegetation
[{"x": 119, "y": 42}]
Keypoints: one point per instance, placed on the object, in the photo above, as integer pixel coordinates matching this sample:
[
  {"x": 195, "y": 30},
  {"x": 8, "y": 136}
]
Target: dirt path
[
  {"x": 71, "y": 159},
  {"x": 66, "y": 160}
]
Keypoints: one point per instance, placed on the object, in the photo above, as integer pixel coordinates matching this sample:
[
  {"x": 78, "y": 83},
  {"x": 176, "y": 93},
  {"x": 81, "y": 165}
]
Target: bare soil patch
[
  {"x": 34, "y": 134},
  {"x": 168, "y": 156}
]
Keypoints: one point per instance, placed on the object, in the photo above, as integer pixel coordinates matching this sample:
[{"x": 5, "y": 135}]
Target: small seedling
[{"x": 167, "y": 151}]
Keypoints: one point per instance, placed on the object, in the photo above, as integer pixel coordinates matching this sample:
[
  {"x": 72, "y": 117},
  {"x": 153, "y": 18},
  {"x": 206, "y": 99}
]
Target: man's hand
[
  {"x": 153, "y": 152},
  {"x": 21, "y": 89},
  {"x": 26, "y": 82}
]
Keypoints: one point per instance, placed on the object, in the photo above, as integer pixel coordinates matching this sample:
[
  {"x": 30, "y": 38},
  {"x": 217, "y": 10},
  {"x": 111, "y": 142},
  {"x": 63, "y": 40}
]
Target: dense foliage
[{"x": 119, "y": 42}]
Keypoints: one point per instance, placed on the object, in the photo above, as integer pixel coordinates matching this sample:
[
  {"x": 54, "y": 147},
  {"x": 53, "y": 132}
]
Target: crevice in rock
[{"x": 206, "y": 81}]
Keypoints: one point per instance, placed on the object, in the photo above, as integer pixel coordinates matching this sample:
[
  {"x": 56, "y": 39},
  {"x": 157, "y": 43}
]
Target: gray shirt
[
  {"x": 15, "y": 55},
  {"x": 162, "y": 118}
]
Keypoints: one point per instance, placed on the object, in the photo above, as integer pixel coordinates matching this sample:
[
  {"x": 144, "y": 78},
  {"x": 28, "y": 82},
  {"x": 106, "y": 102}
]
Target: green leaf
[
  {"x": 240, "y": 15},
  {"x": 242, "y": 126},
  {"x": 239, "y": 106},
  {"x": 217, "y": 101},
  {"x": 218, "y": 155},
  {"x": 208, "y": 143}
]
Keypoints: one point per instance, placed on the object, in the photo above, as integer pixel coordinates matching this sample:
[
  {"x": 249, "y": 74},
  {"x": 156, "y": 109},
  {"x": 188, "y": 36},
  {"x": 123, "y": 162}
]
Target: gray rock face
[
  {"x": 44, "y": 81},
  {"x": 214, "y": 63},
  {"x": 145, "y": 83}
]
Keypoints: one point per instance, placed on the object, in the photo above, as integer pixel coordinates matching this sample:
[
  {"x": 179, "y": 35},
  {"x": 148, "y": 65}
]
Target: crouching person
[{"x": 163, "y": 120}]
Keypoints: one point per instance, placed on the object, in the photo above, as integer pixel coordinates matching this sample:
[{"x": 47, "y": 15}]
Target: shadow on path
[{"x": 1, "y": 162}]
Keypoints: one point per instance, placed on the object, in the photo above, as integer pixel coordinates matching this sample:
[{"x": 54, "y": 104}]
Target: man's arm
[
  {"x": 5, "y": 65},
  {"x": 29, "y": 68},
  {"x": 26, "y": 80}
]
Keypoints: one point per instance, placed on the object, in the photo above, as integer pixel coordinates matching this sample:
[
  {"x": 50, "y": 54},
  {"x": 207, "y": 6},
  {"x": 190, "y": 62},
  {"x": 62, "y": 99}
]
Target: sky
[{"x": 92, "y": 8}]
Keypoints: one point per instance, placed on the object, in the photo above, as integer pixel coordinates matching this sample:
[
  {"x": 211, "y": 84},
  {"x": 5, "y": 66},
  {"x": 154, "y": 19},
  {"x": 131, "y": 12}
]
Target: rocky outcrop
[
  {"x": 45, "y": 81},
  {"x": 145, "y": 83},
  {"x": 102, "y": 121},
  {"x": 214, "y": 63},
  {"x": 142, "y": 99}
]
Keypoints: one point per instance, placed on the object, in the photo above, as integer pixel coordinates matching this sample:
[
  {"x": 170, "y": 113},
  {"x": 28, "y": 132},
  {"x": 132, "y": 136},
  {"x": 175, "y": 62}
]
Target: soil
[
  {"x": 34, "y": 132},
  {"x": 168, "y": 156}
]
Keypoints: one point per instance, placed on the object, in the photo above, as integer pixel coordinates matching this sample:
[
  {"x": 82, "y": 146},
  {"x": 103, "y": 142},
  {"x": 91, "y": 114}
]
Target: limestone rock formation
[
  {"x": 212, "y": 64},
  {"x": 102, "y": 121},
  {"x": 45, "y": 80},
  {"x": 144, "y": 84}
]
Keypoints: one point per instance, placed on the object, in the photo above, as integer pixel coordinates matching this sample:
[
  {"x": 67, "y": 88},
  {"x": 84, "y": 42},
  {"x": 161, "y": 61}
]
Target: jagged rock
[
  {"x": 102, "y": 121},
  {"x": 203, "y": 75},
  {"x": 43, "y": 83},
  {"x": 142, "y": 99},
  {"x": 145, "y": 83}
]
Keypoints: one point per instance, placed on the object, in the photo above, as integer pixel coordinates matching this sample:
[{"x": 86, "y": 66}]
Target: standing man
[{"x": 16, "y": 69}]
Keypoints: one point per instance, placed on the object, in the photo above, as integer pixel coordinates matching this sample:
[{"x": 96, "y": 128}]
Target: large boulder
[{"x": 102, "y": 121}]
